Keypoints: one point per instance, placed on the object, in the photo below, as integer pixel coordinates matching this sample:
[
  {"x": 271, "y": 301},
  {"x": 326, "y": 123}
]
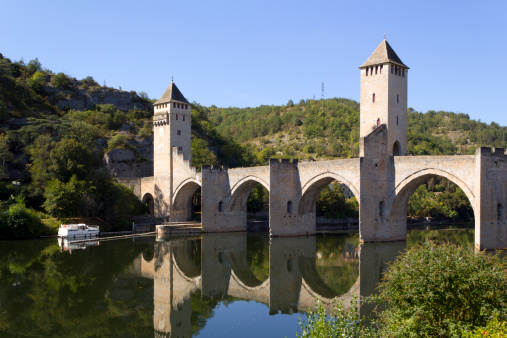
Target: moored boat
[{"x": 78, "y": 230}]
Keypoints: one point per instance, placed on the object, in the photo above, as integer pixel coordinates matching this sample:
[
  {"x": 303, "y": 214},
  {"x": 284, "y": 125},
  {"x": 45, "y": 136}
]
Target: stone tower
[
  {"x": 384, "y": 98},
  {"x": 171, "y": 128}
]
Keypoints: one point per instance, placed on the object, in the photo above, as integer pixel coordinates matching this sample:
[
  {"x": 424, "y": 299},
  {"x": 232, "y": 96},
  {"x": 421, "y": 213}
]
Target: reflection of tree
[
  {"x": 257, "y": 255},
  {"x": 464, "y": 238},
  {"x": 337, "y": 263},
  {"x": 52, "y": 293}
]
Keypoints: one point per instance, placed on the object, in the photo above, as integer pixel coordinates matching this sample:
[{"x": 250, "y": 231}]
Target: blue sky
[{"x": 248, "y": 53}]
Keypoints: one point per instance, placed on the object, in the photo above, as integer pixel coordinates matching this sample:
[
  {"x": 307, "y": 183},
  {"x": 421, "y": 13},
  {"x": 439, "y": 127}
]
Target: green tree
[
  {"x": 68, "y": 158},
  {"x": 65, "y": 199},
  {"x": 37, "y": 82},
  {"x": 201, "y": 155},
  {"x": 20, "y": 222},
  {"x": 34, "y": 66},
  {"x": 60, "y": 80}
]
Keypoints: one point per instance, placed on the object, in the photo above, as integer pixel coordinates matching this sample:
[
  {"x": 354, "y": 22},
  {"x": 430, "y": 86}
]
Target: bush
[
  {"x": 441, "y": 291},
  {"x": 20, "y": 222},
  {"x": 60, "y": 80},
  {"x": 341, "y": 323},
  {"x": 117, "y": 141},
  {"x": 495, "y": 328}
]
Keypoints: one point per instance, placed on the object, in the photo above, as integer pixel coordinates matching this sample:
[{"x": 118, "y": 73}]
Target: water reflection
[
  {"x": 173, "y": 286},
  {"x": 301, "y": 269}
]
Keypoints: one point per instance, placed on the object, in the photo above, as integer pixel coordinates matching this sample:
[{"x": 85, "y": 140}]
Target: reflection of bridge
[
  {"x": 382, "y": 178},
  {"x": 293, "y": 283}
]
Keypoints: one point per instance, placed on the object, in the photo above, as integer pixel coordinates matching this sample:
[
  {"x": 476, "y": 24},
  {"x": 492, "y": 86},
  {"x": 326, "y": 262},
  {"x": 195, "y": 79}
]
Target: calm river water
[{"x": 216, "y": 285}]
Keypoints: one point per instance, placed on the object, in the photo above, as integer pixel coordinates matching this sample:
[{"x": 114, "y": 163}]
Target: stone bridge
[
  {"x": 383, "y": 178},
  {"x": 293, "y": 283}
]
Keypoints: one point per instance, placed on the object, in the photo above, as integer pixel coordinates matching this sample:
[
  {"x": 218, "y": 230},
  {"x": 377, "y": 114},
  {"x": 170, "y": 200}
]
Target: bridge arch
[
  {"x": 405, "y": 189},
  {"x": 182, "y": 200},
  {"x": 242, "y": 189},
  {"x": 312, "y": 189},
  {"x": 183, "y": 253}
]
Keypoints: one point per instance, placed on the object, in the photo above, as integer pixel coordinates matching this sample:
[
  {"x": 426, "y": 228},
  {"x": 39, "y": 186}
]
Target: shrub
[
  {"x": 20, "y": 222},
  {"x": 117, "y": 141},
  {"x": 440, "y": 291},
  {"x": 60, "y": 80},
  {"x": 341, "y": 323},
  {"x": 494, "y": 329}
]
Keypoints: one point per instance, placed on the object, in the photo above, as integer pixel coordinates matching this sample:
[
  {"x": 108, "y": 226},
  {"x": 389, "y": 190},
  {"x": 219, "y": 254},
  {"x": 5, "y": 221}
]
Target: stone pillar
[
  {"x": 284, "y": 197},
  {"x": 491, "y": 199},
  {"x": 376, "y": 182}
]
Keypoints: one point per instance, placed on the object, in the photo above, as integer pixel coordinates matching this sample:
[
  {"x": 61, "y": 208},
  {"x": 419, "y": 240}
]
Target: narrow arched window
[
  {"x": 366, "y": 71},
  {"x": 376, "y": 70},
  {"x": 220, "y": 206},
  {"x": 289, "y": 207},
  {"x": 397, "y": 98},
  {"x": 499, "y": 212},
  {"x": 397, "y": 120},
  {"x": 378, "y": 122},
  {"x": 392, "y": 69},
  {"x": 373, "y": 97},
  {"x": 381, "y": 66},
  {"x": 381, "y": 209}
]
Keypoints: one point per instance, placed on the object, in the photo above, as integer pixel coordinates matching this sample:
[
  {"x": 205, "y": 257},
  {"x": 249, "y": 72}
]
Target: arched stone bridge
[{"x": 382, "y": 183}]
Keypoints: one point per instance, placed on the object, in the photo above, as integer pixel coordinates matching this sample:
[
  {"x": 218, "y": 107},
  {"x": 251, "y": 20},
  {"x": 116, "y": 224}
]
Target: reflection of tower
[
  {"x": 384, "y": 97},
  {"x": 171, "y": 293}
]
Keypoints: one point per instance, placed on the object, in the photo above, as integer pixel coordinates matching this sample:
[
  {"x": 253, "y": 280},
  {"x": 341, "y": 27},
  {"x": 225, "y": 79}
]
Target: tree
[
  {"x": 65, "y": 199},
  {"x": 60, "y": 80},
  {"x": 68, "y": 158},
  {"x": 201, "y": 155},
  {"x": 37, "y": 82},
  {"x": 290, "y": 103},
  {"x": 5, "y": 155},
  {"x": 33, "y": 66}
]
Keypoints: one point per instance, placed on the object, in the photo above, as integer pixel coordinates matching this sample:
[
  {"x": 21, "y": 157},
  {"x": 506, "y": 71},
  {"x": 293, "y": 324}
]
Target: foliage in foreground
[
  {"x": 20, "y": 222},
  {"x": 441, "y": 291},
  {"x": 340, "y": 323}
]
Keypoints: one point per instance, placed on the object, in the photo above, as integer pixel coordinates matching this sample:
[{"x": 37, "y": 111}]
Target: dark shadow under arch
[
  {"x": 396, "y": 149},
  {"x": 149, "y": 201},
  {"x": 183, "y": 198}
]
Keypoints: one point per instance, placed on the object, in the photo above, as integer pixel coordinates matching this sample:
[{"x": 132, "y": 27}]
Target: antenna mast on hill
[{"x": 322, "y": 95}]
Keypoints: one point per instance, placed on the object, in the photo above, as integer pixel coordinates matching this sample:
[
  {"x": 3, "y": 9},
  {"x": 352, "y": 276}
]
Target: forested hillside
[{"x": 319, "y": 129}]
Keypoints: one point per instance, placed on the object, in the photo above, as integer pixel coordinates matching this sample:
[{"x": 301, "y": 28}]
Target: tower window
[
  {"x": 186, "y": 106},
  {"x": 381, "y": 66},
  {"x": 176, "y": 116},
  {"x": 392, "y": 69},
  {"x": 183, "y": 117},
  {"x": 180, "y": 148},
  {"x": 397, "y": 98},
  {"x": 376, "y": 70},
  {"x": 378, "y": 122},
  {"x": 397, "y": 120},
  {"x": 395, "y": 70},
  {"x": 373, "y": 97},
  {"x": 403, "y": 72},
  {"x": 178, "y": 105},
  {"x": 174, "y": 105},
  {"x": 178, "y": 132},
  {"x": 366, "y": 71},
  {"x": 381, "y": 211},
  {"x": 220, "y": 206}
]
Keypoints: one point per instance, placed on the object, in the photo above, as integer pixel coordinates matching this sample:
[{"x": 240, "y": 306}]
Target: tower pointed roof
[
  {"x": 172, "y": 93},
  {"x": 383, "y": 54}
]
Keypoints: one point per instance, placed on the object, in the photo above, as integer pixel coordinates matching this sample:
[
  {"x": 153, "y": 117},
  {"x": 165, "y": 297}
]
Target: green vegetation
[
  {"x": 441, "y": 291},
  {"x": 332, "y": 204},
  {"x": 340, "y": 323}
]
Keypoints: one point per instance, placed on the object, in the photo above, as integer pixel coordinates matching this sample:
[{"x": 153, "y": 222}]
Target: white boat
[{"x": 78, "y": 230}]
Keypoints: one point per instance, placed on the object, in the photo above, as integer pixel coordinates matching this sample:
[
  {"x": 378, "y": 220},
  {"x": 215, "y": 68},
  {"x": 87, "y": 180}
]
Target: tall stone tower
[
  {"x": 171, "y": 128},
  {"x": 384, "y": 98}
]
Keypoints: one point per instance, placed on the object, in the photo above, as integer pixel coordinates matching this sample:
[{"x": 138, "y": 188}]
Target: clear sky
[{"x": 247, "y": 53}]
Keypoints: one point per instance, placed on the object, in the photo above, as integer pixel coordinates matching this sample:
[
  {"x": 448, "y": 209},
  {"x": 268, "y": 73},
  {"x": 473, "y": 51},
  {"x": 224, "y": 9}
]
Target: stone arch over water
[
  {"x": 405, "y": 189},
  {"x": 241, "y": 190},
  {"x": 312, "y": 189}
]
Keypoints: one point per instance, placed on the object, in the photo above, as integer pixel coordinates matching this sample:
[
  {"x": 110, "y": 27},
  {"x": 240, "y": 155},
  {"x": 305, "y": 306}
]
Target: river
[{"x": 214, "y": 285}]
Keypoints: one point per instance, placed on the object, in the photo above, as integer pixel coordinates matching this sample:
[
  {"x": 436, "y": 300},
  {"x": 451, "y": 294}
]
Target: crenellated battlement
[
  {"x": 215, "y": 168},
  {"x": 283, "y": 161},
  {"x": 490, "y": 151}
]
